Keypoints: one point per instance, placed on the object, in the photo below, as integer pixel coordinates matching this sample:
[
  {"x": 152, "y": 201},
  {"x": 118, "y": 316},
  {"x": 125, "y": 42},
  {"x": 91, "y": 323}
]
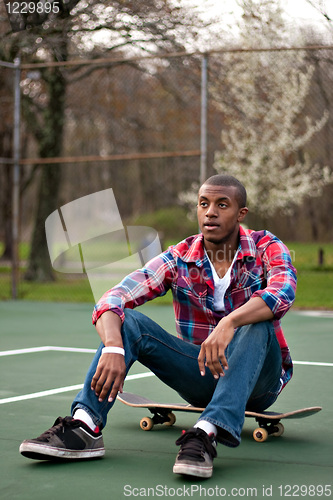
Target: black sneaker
[
  {"x": 196, "y": 454},
  {"x": 66, "y": 439}
]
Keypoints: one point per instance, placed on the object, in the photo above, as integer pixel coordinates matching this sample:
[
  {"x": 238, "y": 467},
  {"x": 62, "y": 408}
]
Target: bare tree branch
[{"x": 320, "y": 6}]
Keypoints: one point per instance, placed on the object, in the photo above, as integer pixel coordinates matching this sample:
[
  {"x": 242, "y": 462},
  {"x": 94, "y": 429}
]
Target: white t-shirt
[{"x": 220, "y": 284}]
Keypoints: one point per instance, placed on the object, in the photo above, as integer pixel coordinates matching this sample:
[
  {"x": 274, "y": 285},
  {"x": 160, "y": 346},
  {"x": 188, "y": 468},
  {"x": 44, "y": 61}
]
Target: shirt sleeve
[
  {"x": 140, "y": 286},
  {"x": 280, "y": 290}
]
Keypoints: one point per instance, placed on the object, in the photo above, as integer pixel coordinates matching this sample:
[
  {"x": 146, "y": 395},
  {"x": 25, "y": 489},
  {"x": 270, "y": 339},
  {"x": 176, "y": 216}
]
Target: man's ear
[{"x": 242, "y": 213}]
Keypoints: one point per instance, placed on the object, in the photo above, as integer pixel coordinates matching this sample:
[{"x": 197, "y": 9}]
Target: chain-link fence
[
  {"x": 151, "y": 127},
  {"x": 276, "y": 135}
]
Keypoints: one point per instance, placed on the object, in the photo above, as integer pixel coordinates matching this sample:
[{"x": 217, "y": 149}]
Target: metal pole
[
  {"x": 204, "y": 114},
  {"x": 16, "y": 177}
]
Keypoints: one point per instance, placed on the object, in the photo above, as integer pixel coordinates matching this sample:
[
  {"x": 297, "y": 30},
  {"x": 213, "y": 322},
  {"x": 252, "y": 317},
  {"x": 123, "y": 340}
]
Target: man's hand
[
  {"x": 212, "y": 352},
  {"x": 213, "y": 348},
  {"x": 111, "y": 369}
]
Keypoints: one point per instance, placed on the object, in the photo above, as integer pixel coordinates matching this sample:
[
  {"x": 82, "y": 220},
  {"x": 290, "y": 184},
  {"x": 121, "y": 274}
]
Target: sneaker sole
[
  {"x": 40, "y": 452},
  {"x": 193, "y": 470}
]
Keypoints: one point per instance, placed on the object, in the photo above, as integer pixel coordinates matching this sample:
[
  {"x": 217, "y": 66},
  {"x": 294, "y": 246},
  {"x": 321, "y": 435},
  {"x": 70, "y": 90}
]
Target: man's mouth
[{"x": 211, "y": 225}]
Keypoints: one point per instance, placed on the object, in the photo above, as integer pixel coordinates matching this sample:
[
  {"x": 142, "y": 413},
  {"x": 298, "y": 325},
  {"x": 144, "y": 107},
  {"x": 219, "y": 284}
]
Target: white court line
[
  {"x": 316, "y": 314},
  {"x": 312, "y": 363},
  {"x": 60, "y": 390},
  {"x": 92, "y": 351},
  {"x": 79, "y": 386},
  {"x": 45, "y": 348}
]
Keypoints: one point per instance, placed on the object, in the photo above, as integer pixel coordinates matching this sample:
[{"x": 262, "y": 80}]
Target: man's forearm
[
  {"x": 253, "y": 311},
  {"x": 108, "y": 327},
  {"x": 213, "y": 349}
]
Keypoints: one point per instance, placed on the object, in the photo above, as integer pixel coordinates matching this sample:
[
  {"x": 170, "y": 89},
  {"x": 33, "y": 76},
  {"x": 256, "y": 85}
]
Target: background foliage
[{"x": 133, "y": 123}]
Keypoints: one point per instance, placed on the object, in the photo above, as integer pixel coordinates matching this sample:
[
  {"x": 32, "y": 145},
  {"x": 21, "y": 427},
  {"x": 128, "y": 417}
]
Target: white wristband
[{"x": 113, "y": 350}]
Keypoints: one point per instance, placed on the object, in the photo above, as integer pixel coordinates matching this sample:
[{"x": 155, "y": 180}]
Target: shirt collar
[
  {"x": 196, "y": 251},
  {"x": 247, "y": 246}
]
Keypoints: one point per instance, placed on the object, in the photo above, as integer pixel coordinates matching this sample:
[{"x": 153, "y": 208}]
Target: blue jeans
[{"x": 251, "y": 382}]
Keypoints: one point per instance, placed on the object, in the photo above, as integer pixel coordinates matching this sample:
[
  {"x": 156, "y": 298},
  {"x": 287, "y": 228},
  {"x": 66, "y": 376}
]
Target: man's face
[{"x": 219, "y": 214}]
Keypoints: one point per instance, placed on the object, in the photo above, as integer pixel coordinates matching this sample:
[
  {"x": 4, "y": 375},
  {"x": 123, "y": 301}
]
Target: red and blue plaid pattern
[{"x": 263, "y": 268}]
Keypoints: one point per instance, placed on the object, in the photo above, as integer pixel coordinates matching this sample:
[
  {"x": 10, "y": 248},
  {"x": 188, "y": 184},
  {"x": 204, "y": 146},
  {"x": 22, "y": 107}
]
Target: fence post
[
  {"x": 16, "y": 177},
  {"x": 204, "y": 114}
]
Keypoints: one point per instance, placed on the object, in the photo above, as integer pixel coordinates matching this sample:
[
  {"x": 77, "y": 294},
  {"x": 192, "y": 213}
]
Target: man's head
[
  {"x": 229, "y": 180},
  {"x": 221, "y": 208}
]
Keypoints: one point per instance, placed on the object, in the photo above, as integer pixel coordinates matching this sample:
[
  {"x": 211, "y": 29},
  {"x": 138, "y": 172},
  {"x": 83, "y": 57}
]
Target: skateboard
[{"x": 269, "y": 421}]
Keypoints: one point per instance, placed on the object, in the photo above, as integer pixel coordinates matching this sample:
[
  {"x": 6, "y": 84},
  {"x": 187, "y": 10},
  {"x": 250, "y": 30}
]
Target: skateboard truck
[
  {"x": 159, "y": 417},
  {"x": 267, "y": 428}
]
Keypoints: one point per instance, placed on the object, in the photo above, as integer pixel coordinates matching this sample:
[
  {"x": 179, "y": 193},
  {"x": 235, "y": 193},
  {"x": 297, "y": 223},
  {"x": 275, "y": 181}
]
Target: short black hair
[{"x": 229, "y": 180}]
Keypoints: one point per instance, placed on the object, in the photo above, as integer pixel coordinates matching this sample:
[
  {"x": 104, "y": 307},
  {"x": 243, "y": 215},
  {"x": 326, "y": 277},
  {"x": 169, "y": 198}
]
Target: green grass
[
  {"x": 314, "y": 290},
  {"x": 305, "y": 256},
  {"x": 24, "y": 250},
  {"x": 60, "y": 290},
  {"x": 314, "y": 281}
]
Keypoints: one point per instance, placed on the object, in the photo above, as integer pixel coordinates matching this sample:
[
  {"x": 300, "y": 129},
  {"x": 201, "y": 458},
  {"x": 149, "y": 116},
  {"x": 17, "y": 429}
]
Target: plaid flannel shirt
[{"x": 263, "y": 268}]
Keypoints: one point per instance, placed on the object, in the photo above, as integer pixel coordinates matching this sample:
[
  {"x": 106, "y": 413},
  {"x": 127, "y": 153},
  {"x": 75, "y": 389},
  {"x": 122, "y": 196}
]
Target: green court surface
[{"x": 137, "y": 463}]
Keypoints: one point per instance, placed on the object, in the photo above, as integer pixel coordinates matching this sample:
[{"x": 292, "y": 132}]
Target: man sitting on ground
[{"x": 231, "y": 286}]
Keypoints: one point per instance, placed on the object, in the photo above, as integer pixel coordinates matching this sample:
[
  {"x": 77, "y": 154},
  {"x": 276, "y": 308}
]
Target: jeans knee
[
  {"x": 130, "y": 313},
  {"x": 131, "y": 324},
  {"x": 262, "y": 332},
  {"x": 135, "y": 326},
  {"x": 266, "y": 327}
]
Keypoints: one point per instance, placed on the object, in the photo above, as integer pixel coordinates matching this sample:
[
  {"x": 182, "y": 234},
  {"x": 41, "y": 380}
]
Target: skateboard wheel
[
  {"x": 260, "y": 434},
  {"x": 146, "y": 423},
  {"x": 172, "y": 419},
  {"x": 279, "y": 431}
]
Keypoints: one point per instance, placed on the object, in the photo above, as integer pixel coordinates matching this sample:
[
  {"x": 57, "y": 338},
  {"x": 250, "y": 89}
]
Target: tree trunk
[
  {"x": 6, "y": 208},
  {"x": 39, "y": 268},
  {"x": 50, "y": 145}
]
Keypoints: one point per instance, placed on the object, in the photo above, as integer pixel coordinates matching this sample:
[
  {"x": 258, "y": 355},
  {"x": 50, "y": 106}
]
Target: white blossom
[{"x": 266, "y": 129}]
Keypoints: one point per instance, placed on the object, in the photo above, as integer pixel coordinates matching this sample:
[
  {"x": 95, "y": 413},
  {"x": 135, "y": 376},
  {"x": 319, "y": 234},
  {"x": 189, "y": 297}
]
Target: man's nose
[{"x": 211, "y": 211}]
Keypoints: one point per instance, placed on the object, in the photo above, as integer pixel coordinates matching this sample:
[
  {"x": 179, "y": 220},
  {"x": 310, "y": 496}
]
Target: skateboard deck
[{"x": 162, "y": 413}]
